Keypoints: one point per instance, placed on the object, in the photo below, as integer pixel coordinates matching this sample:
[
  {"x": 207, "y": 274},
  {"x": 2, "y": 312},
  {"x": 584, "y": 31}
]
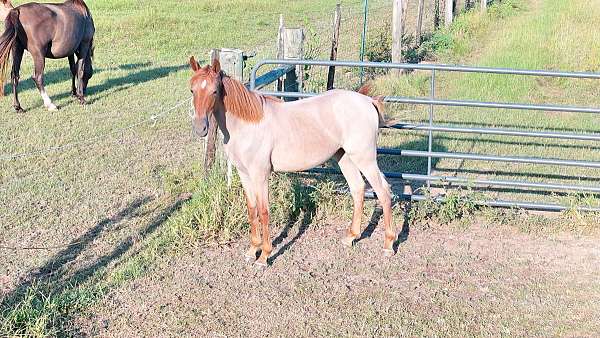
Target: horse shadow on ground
[
  {"x": 307, "y": 212},
  {"x": 54, "y": 276},
  {"x": 387, "y": 163},
  {"x": 139, "y": 73}
]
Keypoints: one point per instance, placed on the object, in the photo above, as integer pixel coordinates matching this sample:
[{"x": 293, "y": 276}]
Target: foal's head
[{"x": 206, "y": 86}]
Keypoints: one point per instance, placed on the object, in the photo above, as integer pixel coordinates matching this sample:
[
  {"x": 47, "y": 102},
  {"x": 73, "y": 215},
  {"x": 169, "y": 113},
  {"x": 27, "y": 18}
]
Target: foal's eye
[{"x": 215, "y": 92}]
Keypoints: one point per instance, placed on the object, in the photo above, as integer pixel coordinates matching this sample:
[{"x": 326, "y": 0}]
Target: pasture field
[{"x": 134, "y": 242}]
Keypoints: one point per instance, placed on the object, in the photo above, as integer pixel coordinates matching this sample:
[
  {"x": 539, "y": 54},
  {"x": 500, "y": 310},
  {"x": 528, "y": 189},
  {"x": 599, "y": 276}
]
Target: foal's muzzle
[{"x": 200, "y": 126}]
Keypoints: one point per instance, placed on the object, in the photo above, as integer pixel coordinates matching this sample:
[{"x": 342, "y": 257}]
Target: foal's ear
[
  {"x": 195, "y": 65},
  {"x": 216, "y": 66}
]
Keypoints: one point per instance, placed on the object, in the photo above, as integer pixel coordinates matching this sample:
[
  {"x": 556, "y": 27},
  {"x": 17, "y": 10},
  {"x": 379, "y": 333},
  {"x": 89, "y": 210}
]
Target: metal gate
[{"x": 432, "y": 102}]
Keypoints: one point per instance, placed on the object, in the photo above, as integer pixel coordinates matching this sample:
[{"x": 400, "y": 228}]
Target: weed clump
[
  {"x": 457, "y": 205},
  {"x": 218, "y": 213}
]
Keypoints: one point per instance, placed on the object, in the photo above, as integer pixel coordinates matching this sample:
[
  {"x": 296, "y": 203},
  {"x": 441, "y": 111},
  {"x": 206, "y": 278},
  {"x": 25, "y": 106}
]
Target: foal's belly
[{"x": 302, "y": 156}]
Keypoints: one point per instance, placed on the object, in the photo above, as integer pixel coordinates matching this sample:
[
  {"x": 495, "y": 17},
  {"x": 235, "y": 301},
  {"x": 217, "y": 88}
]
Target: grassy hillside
[{"x": 540, "y": 37}]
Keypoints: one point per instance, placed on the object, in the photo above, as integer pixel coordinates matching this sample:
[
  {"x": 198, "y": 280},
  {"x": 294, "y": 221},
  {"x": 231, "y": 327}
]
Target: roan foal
[{"x": 263, "y": 135}]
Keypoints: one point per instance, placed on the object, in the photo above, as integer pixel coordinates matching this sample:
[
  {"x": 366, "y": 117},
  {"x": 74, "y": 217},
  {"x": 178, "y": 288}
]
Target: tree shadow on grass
[
  {"x": 63, "y": 74},
  {"x": 55, "y": 278},
  {"x": 140, "y": 73},
  {"x": 115, "y": 85}
]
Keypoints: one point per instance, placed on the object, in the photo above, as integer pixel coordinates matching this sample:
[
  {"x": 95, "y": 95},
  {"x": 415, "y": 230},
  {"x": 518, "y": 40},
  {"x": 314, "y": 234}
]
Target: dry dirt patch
[{"x": 442, "y": 282}]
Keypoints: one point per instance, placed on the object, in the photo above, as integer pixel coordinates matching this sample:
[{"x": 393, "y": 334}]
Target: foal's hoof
[
  {"x": 249, "y": 259},
  {"x": 260, "y": 265},
  {"x": 52, "y": 107},
  {"x": 388, "y": 253},
  {"x": 82, "y": 101},
  {"x": 19, "y": 110},
  {"x": 347, "y": 241}
]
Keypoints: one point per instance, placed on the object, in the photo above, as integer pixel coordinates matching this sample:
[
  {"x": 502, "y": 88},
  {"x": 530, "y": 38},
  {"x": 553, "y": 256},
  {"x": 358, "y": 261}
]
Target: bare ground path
[{"x": 485, "y": 280}]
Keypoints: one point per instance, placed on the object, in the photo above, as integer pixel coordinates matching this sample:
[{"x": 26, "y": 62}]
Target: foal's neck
[{"x": 241, "y": 102}]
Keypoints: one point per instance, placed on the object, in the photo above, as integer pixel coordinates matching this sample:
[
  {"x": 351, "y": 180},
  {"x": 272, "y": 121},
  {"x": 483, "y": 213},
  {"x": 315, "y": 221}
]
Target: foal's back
[{"x": 308, "y": 132}]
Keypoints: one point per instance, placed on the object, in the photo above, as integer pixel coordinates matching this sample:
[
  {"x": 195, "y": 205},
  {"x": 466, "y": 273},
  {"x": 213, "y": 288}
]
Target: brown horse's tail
[
  {"x": 7, "y": 42},
  {"x": 377, "y": 102}
]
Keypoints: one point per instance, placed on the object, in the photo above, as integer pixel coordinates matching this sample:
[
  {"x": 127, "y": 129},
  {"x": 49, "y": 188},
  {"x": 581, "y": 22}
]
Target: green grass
[{"x": 118, "y": 199}]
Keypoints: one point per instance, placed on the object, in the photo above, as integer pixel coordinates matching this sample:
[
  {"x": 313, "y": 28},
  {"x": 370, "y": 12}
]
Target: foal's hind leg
[
  {"x": 14, "y": 75},
  {"x": 357, "y": 189},
  {"x": 39, "y": 62},
  {"x": 368, "y": 166}
]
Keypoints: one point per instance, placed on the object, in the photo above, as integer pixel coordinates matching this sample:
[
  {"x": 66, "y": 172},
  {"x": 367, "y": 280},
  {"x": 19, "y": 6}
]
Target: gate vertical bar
[
  {"x": 364, "y": 40},
  {"x": 431, "y": 108}
]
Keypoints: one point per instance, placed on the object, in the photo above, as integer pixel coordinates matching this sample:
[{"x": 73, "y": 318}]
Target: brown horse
[
  {"x": 51, "y": 31},
  {"x": 263, "y": 134}
]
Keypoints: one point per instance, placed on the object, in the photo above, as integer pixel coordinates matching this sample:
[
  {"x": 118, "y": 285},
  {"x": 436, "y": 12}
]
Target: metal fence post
[{"x": 431, "y": 108}]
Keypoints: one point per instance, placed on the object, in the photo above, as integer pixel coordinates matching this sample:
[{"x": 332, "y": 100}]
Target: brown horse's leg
[
  {"x": 370, "y": 169},
  {"x": 73, "y": 67},
  {"x": 262, "y": 199},
  {"x": 14, "y": 75},
  {"x": 84, "y": 57},
  {"x": 357, "y": 189},
  {"x": 39, "y": 62}
]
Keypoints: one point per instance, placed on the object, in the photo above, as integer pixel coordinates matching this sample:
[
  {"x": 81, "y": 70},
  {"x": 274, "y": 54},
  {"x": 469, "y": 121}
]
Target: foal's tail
[
  {"x": 8, "y": 40},
  {"x": 377, "y": 102}
]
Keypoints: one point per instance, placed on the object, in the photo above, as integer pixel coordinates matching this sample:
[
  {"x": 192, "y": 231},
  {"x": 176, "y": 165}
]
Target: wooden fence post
[
  {"x": 436, "y": 15},
  {"x": 398, "y": 13},
  {"x": 210, "y": 146},
  {"x": 337, "y": 19},
  {"x": 483, "y": 5},
  {"x": 280, "y": 49},
  {"x": 232, "y": 63},
  {"x": 419, "y": 33},
  {"x": 450, "y": 6},
  {"x": 294, "y": 50}
]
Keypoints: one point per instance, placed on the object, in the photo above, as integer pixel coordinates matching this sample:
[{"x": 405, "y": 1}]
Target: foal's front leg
[
  {"x": 262, "y": 202},
  {"x": 255, "y": 240}
]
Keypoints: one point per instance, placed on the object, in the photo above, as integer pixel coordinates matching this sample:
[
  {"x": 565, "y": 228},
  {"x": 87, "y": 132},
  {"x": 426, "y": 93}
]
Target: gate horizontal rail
[
  {"x": 456, "y": 103},
  {"x": 465, "y": 181},
  {"x": 493, "y": 131},
  {"x": 432, "y": 101},
  {"x": 477, "y": 157}
]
